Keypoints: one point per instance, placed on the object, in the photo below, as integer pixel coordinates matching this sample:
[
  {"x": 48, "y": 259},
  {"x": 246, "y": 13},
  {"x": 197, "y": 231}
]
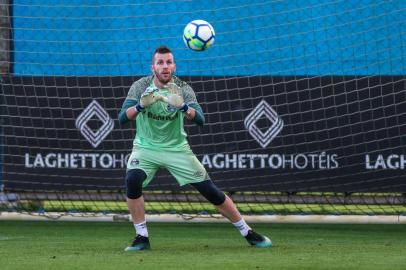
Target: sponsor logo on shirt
[{"x": 162, "y": 117}]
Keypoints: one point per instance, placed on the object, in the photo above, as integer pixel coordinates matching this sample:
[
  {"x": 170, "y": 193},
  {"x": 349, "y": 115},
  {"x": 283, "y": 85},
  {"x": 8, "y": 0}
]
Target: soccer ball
[{"x": 198, "y": 35}]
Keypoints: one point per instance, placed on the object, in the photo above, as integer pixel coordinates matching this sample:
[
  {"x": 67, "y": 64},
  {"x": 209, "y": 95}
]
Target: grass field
[{"x": 97, "y": 245}]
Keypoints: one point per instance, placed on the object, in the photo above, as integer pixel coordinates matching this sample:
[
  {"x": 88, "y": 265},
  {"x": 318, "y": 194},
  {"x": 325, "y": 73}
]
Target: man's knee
[
  {"x": 210, "y": 191},
  {"x": 133, "y": 180}
]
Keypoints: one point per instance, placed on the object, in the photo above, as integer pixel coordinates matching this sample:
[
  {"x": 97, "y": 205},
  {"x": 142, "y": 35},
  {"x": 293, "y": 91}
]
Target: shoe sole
[
  {"x": 264, "y": 244},
  {"x": 137, "y": 248}
]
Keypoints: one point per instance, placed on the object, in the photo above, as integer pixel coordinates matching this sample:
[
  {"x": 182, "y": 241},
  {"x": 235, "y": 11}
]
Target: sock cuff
[
  {"x": 241, "y": 222},
  {"x": 141, "y": 228},
  {"x": 242, "y": 226},
  {"x": 141, "y": 223}
]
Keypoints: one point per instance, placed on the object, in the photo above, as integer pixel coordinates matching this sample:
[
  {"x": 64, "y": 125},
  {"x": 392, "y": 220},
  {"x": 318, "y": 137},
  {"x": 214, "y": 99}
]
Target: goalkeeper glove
[
  {"x": 147, "y": 98},
  {"x": 174, "y": 98}
]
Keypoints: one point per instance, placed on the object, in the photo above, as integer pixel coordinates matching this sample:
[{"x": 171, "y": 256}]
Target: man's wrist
[
  {"x": 184, "y": 108},
  {"x": 138, "y": 108},
  {"x": 190, "y": 113}
]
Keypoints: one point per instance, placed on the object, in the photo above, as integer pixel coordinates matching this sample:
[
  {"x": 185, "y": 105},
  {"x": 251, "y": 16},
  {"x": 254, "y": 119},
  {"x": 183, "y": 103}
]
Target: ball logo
[
  {"x": 94, "y": 110},
  {"x": 263, "y": 109}
]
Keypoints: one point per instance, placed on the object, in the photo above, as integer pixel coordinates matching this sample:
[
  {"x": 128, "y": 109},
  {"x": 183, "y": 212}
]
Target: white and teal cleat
[
  {"x": 257, "y": 240},
  {"x": 139, "y": 243}
]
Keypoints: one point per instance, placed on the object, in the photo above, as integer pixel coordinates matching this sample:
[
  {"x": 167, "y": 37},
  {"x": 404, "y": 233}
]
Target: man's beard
[{"x": 162, "y": 79}]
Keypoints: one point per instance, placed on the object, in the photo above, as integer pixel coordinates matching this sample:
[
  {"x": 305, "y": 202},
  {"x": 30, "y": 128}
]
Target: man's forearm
[
  {"x": 125, "y": 114},
  {"x": 131, "y": 113},
  {"x": 198, "y": 117}
]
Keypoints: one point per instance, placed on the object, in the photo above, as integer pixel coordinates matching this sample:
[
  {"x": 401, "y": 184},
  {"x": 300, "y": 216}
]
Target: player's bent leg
[
  {"x": 217, "y": 197},
  {"x": 228, "y": 209},
  {"x": 210, "y": 191},
  {"x": 135, "y": 201}
]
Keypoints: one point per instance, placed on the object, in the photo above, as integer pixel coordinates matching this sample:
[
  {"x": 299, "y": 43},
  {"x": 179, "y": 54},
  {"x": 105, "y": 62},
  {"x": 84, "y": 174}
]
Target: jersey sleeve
[
  {"x": 137, "y": 88},
  {"x": 189, "y": 95},
  {"x": 133, "y": 97}
]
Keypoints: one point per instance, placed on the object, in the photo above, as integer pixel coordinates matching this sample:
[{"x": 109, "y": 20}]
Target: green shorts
[{"x": 183, "y": 165}]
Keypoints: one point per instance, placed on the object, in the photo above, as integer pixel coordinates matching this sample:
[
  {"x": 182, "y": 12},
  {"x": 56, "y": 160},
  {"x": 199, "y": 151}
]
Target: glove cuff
[
  {"x": 139, "y": 108},
  {"x": 184, "y": 107}
]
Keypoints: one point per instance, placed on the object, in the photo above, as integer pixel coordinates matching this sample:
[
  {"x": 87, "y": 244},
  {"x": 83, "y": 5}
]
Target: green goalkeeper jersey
[{"x": 160, "y": 126}]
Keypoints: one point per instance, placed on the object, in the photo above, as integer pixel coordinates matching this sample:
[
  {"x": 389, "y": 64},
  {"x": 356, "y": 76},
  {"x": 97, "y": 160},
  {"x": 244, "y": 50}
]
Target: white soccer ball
[{"x": 198, "y": 35}]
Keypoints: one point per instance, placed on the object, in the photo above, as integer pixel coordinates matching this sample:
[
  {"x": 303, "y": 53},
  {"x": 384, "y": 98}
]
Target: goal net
[{"x": 304, "y": 104}]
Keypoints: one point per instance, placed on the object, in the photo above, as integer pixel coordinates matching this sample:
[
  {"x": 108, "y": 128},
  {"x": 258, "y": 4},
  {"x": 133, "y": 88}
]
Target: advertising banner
[{"x": 291, "y": 134}]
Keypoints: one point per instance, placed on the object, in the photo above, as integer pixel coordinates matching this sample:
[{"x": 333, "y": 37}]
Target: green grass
[{"x": 97, "y": 245}]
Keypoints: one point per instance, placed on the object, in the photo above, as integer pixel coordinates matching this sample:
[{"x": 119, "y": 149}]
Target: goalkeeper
[{"x": 159, "y": 104}]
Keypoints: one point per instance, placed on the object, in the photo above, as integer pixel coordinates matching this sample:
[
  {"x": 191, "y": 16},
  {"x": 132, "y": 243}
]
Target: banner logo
[
  {"x": 263, "y": 109},
  {"x": 94, "y": 110}
]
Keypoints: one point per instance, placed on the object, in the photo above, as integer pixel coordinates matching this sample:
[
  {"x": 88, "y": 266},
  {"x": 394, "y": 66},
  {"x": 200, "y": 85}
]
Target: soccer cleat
[
  {"x": 140, "y": 243},
  {"x": 255, "y": 239}
]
